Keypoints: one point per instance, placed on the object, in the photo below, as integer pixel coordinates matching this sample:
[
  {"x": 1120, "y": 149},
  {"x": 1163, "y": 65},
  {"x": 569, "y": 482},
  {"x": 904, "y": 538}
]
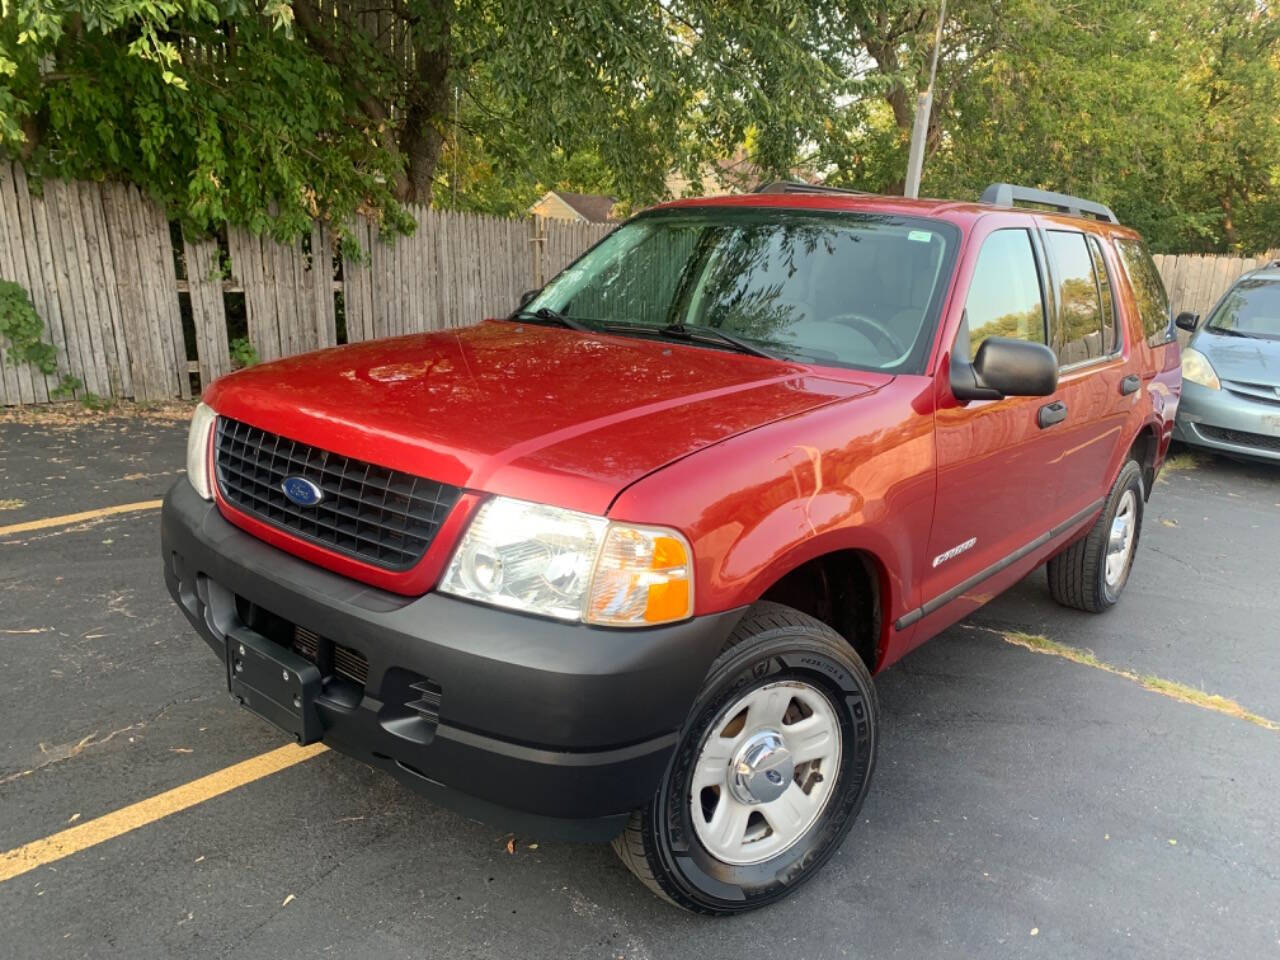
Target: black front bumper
[{"x": 554, "y": 729}]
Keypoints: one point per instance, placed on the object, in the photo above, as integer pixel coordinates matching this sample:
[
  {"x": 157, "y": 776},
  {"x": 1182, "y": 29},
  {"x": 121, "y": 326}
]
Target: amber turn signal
[{"x": 643, "y": 576}]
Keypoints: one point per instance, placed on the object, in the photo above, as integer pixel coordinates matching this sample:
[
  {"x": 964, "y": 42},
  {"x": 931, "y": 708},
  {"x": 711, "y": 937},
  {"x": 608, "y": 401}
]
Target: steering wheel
[{"x": 872, "y": 329}]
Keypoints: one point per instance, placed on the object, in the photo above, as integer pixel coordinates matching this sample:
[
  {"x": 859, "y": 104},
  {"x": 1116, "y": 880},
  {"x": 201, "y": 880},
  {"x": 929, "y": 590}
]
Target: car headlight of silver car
[
  {"x": 572, "y": 566},
  {"x": 198, "y": 450},
  {"x": 1197, "y": 368}
]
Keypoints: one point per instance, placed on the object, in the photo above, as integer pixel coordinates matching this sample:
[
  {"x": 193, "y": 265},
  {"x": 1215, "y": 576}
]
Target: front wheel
[{"x": 769, "y": 773}]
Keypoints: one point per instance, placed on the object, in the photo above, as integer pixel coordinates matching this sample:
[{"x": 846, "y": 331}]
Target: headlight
[
  {"x": 198, "y": 450},
  {"x": 1197, "y": 368},
  {"x": 572, "y": 566}
]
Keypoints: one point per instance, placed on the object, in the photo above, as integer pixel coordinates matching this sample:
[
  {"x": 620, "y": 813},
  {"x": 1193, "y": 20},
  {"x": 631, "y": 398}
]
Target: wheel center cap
[{"x": 763, "y": 768}]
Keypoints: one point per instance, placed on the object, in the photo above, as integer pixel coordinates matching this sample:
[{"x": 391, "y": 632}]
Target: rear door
[
  {"x": 1093, "y": 385},
  {"x": 1153, "y": 347}
]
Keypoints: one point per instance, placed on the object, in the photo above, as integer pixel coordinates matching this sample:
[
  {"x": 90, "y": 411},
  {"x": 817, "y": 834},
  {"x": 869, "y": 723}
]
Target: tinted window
[
  {"x": 636, "y": 276},
  {"x": 1004, "y": 296},
  {"x": 1148, "y": 290},
  {"x": 1079, "y": 307},
  {"x": 1110, "y": 330},
  {"x": 1251, "y": 309},
  {"x": 861, "y": 290}
]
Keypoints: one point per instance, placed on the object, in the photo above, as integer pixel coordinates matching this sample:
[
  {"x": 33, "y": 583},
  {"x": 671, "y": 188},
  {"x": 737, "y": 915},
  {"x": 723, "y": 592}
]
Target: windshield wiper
[
  {"x": 547, "y": 315},
  {"x": 686, "y": 332},
  {"x": 1229, "y": 332}
]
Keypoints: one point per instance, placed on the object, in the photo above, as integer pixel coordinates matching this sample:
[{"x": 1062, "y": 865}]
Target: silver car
[{"x": 1231, "y": 371}]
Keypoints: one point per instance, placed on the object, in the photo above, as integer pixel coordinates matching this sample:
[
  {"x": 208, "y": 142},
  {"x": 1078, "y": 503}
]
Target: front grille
[
  {"x": 383, "y": 517},
  {"x": 348, "y": 663},
  {"x": 1241, "y": 437},
  {"x": 1253, "y": 391}
]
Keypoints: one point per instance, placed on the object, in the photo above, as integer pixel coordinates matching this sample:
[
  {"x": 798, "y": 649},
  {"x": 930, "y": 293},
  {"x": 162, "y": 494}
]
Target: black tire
[
  {"x": 1077, "y": 576},
  {"x": 771, "y": 643}
]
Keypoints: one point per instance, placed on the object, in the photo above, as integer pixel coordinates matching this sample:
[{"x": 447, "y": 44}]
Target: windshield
[
  {"x": 850, "y": 289},
  {"x": 1252, "y": 309}
]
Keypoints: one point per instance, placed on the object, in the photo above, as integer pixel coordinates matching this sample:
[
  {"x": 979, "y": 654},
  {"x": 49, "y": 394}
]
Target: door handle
[
  {"x": 1130, "y": 384},
  {"x": 1052, "y": 413}
]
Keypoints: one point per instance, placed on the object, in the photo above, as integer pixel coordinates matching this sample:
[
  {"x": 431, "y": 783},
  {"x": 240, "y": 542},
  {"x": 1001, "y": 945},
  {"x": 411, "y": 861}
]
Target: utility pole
[{"x": 924, "y": 104}]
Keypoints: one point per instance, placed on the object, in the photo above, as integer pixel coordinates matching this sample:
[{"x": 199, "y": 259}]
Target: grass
[
  {"x": 1181, "y": 462},
  {"x": 1168, "y": 688}
]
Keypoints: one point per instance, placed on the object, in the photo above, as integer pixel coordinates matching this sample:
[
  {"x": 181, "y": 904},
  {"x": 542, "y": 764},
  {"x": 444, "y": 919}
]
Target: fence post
[{"x": 537, "y": 241}]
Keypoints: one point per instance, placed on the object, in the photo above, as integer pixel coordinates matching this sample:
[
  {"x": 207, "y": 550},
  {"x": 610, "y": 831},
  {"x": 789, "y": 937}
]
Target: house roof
[{"x": 593, "y": 207}]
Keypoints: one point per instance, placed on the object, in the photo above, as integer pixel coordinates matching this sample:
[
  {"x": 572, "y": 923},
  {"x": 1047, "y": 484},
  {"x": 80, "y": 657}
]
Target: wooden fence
[
  {"x": 1195, "y": 282},
  {"x": 132, "y": 314}
]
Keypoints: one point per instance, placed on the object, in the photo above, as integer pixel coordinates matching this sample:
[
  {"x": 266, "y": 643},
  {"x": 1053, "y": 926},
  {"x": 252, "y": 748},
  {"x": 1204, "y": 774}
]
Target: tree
[
  {"x": 1161, "y": 108},
  {"x": 269, "y": 112},
  {"x": 266, "y": 111}
]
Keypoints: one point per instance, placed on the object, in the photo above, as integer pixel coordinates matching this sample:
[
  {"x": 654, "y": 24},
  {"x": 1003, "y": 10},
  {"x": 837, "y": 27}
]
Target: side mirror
[
  {"x": 527, "y": 296},
  {"x": 1005, "y": 368},
  {"x": 1187, "y": 321}
]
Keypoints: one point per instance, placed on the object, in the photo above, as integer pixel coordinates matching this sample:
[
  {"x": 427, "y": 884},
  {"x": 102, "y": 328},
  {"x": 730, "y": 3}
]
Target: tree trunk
[
  {"x": 315, "y": 30},
  {"x": 1228, "y": 222},
  {"x": 33, "y": 131},
  {"x": 425, "y": 116}
]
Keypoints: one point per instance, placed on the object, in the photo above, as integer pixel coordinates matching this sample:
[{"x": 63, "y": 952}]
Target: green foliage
[
  {"x": 252, "y": 130},
  {"x": 1164, "y": 109},
  {"x": 21, "y": 326},
  {"x": 268, "y": 113},
  {"x": 91, "y": 401},
  {"x": 243, "y": 353},
  {"x": 67, "y": 387}
]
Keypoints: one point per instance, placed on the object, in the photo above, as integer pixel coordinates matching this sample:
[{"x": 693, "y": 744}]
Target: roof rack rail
[
  {"x": 799, "y": 186},
  {"x": 1007, "y": 194}
]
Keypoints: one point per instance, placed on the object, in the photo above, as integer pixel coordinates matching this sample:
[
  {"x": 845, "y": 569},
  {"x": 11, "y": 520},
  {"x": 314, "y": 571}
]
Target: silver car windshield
[{"x": 1252, "y": 309}]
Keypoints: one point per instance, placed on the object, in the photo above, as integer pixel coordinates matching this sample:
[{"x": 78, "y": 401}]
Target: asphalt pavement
[{"x": 1024, "y": 804}]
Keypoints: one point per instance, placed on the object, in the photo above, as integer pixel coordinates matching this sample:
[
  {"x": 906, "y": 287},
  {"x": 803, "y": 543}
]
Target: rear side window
[
  {"x": 1148, "y": 290},
  {"x": 1004, "y": 298},
  {"x": 1110, "y": 329},
  {"x": 1079, "y": 303}
]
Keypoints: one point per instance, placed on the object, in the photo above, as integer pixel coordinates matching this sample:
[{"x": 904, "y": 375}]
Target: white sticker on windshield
[{"x": 920, "y": 236}]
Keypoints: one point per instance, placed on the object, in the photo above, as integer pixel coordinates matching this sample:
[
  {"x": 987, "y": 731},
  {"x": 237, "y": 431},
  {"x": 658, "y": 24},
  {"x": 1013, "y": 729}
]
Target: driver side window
[{"x": 1005, "y": 299}]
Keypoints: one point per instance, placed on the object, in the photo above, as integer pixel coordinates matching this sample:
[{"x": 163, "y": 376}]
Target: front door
[{"x": 997, "y": 459}]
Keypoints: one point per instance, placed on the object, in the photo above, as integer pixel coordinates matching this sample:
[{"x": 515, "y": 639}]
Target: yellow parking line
[
  {"x": 80, "y": 517},
  {"x": 37, "y": 853},
  {"x": 1168, "y": 688}
]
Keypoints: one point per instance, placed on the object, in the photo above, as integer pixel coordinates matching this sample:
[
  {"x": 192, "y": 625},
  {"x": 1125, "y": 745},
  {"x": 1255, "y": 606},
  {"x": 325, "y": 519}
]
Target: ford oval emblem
[{"x": 302, "y": 491}]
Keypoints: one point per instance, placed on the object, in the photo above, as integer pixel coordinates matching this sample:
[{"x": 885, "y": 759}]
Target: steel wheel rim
[
  {"x": 1120, "y": 540},
  {"x": 782, "y": 738}
]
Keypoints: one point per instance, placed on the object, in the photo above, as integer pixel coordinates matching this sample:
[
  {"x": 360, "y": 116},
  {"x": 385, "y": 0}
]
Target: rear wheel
[
  {"x": 1091, "y": 574},
  {"x": 770, "y": 770}
]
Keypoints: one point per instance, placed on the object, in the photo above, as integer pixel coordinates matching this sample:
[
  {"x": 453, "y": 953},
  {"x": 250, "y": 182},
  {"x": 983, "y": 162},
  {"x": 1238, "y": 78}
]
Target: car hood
[
  {"x": 1247, "y": 359},
  {"x": 536, "y": 412}
]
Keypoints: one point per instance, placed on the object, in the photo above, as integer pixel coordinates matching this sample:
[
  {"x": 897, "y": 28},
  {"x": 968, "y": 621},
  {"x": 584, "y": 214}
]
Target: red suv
[{"x": 621, "y": 565}]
